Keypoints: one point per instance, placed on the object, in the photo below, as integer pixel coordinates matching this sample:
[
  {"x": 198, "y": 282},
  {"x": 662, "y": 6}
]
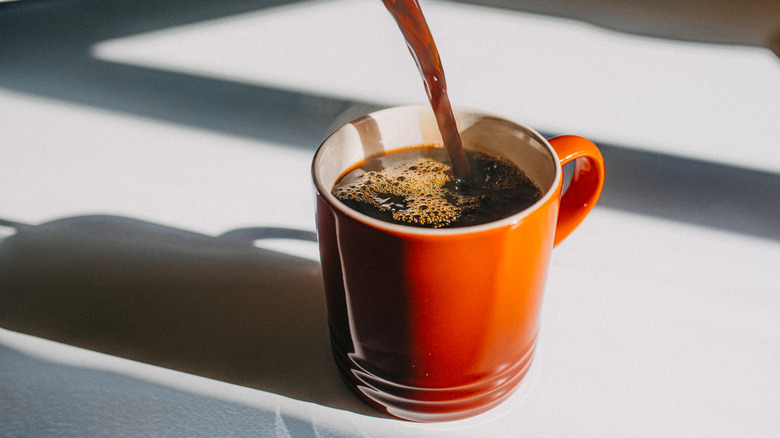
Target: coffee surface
[{"x": 416, "y": 187}]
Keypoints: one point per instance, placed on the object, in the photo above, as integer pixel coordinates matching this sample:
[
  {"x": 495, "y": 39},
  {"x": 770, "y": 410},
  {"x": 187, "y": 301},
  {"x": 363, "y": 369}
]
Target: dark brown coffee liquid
[
  {"x": 410, "y": 19},
  {"x": 416, "y": 187}
]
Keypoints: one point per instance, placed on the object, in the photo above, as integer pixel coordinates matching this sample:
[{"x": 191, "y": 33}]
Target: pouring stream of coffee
[{"x": 410, "y": 19}]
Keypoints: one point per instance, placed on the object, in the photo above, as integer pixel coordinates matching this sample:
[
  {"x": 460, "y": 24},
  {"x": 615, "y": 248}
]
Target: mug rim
[{"x": 422, "y": 231}]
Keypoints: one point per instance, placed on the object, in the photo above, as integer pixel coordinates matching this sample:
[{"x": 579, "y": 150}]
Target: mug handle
[{"x": 585, "y": 185}]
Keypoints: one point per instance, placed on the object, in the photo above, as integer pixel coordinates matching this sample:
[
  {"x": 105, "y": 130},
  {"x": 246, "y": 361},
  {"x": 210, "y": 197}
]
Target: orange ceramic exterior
[
  {"x": 586, "y": 183},
  {"x": 434, "y": 327}
]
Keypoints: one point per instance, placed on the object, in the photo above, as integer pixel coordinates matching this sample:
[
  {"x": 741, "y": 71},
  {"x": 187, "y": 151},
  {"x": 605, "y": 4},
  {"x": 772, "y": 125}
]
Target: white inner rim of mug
[{"x": 404, "y": 127}]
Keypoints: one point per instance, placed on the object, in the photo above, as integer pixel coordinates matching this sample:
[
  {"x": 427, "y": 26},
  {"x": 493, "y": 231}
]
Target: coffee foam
[
  {"x": 412, "y": 190},
  {"x": 416, "y": 187}
]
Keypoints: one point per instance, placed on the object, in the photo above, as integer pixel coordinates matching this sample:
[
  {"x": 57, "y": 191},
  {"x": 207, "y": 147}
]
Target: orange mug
[{"x": 441, "y": 324}]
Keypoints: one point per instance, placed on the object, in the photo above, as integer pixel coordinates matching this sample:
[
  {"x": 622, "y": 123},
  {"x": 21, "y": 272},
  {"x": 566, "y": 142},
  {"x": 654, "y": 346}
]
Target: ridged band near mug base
[{"x": 425, "y": 404}]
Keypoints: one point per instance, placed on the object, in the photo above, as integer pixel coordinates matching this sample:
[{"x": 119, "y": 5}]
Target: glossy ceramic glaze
[{"x": 434, "y": 325}]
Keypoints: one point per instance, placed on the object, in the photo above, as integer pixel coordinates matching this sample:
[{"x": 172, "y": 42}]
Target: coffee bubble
[{"x": 416, "y": 187}]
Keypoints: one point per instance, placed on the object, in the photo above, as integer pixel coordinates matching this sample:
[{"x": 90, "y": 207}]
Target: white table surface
[{"x": 129, "y": 147}]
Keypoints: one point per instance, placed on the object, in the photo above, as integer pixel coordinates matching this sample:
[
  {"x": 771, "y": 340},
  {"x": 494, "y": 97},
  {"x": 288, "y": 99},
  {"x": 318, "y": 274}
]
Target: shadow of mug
[{"x": 217, "y": 307}]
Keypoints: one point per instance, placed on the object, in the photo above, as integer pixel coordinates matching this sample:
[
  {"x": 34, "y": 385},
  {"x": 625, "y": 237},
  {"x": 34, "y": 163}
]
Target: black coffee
[{"x": 416, "y": 187}]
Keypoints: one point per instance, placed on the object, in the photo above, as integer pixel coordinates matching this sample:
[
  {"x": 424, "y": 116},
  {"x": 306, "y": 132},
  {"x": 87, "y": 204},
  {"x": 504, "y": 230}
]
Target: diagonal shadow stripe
[
  {"x": 693, "y": 191},
  {"x": 107, "y": 401},
  {"x": 270, "y": 114},
  {"x": 80, "y": 23},
  {"x": 751, "y": 23}
]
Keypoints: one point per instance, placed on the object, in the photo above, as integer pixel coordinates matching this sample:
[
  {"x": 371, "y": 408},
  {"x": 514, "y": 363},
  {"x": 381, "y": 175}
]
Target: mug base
[{"x": 425, "y": 404}]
